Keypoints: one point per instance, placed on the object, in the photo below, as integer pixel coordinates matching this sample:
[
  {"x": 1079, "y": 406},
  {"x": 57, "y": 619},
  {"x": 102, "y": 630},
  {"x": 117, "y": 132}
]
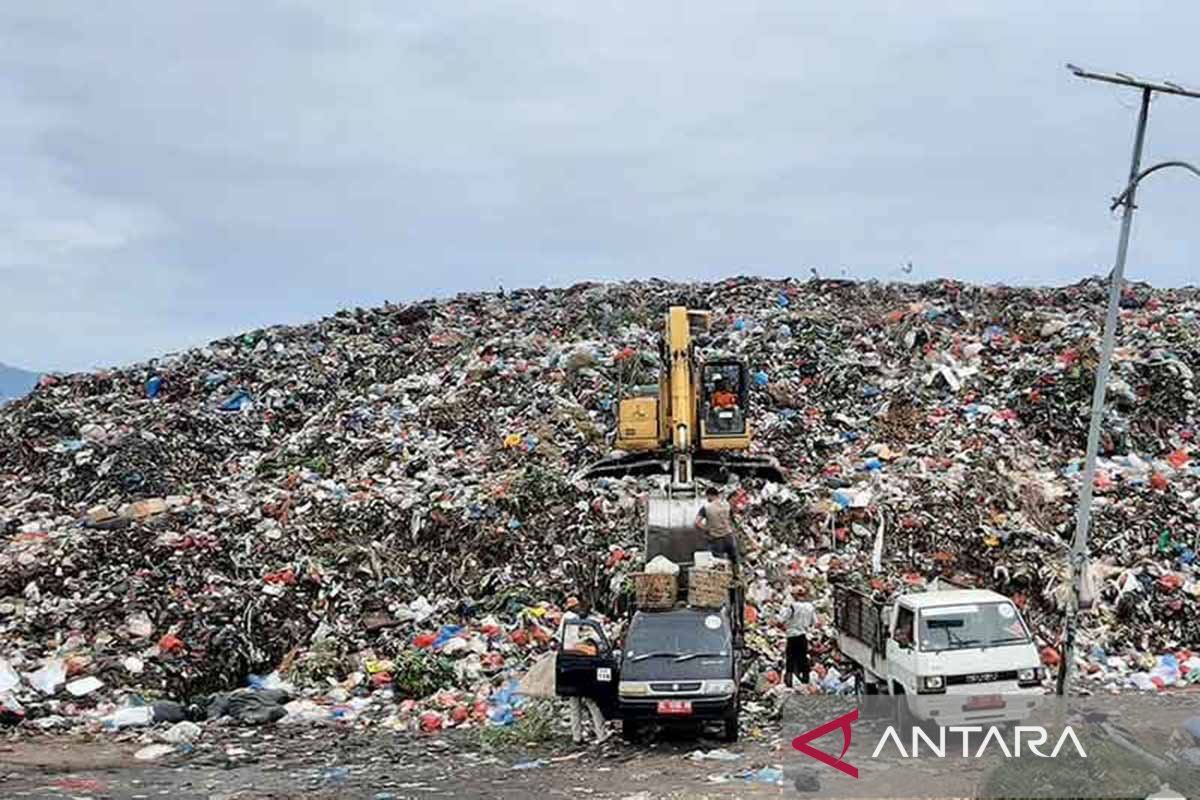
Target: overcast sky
[{"x": 177, "y": 172}]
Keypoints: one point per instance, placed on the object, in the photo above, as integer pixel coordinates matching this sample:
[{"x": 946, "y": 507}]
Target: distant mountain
[{"x": 15, "y": 382}]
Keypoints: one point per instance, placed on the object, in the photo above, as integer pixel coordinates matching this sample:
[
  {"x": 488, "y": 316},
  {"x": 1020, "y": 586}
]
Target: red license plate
[
  {"x": 675, "y": 707},
  {"x": 984, "y": 702}
]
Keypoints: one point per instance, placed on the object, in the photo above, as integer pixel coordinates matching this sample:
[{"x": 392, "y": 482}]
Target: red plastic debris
[
  {"x": 772, "y": 677},
  {"x": 284, "y": 577},
  {"x": 431, "y": 721},
  {"x": 1158, "y": 481},
  {"x": 459, "y": 713},
  {"x": 1170, "y": 582},
  {"x": 1178, "y": 459},
  {"x": 423, "y": 640},
  {"x": 616, "y": 557},
  {"x": 170, "y": 643}
]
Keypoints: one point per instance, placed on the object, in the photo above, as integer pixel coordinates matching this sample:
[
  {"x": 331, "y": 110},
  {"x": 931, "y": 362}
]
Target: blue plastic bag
[{"x": 240, "y": 399}]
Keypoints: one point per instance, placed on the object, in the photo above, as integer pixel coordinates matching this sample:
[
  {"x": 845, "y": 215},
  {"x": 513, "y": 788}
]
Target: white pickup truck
[{"x": 958, "y": 656}]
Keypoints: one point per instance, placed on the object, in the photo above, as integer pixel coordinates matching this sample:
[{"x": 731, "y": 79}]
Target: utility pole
[{"x": 1079, "y": 543}]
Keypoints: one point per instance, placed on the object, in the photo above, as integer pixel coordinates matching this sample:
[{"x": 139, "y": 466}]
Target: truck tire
[
  {"x": 905, "y": 719},
  {"x": 729, "y": 732},
  {"x": 630, "y": 729}
]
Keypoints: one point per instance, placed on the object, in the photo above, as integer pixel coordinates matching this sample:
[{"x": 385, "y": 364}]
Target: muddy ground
[{"x": 327, "y": 763}]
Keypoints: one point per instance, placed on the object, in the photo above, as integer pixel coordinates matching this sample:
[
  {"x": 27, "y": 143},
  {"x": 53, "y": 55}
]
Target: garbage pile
[{"x": 386, "y": 501}]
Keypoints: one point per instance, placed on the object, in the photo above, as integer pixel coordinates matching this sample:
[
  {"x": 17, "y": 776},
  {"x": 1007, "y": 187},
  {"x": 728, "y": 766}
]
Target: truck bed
[{"x": 862, "y": 625}]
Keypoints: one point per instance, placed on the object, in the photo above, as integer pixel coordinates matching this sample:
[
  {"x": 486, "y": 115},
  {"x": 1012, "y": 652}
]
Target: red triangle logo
[{"x": 801, "y": 743}]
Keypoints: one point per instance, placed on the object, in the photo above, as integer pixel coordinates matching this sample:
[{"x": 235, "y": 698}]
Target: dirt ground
[{"x": 240, "y": 764}]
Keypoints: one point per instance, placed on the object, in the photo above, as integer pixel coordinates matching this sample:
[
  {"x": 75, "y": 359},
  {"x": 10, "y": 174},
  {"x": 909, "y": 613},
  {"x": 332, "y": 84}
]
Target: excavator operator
[{"x": 721, "y": 396}]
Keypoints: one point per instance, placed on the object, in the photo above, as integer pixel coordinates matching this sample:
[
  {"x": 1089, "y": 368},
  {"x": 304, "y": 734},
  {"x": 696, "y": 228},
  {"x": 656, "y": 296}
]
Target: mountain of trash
[{"x": 387, "y": 497}]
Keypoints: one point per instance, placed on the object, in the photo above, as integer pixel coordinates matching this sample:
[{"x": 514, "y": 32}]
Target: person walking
[
  {"x": 799, "y": 616},
  {"x": 578, "y": 639}
]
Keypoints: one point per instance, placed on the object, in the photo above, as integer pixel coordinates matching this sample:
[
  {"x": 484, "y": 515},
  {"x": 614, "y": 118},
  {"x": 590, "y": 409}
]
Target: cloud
[{"x": 187, "y": 172}]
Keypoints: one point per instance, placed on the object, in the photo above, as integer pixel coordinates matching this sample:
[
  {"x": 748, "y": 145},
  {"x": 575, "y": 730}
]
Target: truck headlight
[
  {"x": 719, "y": 687},
  {"x": 1030, "y": 677},
  {"x": 632, "y": 688},
  {"x": 933, "y": 683}
]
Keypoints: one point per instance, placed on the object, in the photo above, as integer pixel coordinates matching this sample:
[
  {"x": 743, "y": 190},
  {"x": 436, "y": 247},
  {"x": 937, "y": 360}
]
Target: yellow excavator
[{"x": 695, "y": 425}]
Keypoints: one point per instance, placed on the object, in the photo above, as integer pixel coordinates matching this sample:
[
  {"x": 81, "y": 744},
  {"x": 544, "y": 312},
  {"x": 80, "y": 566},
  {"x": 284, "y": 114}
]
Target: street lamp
[{"x": 1079, "y": 543}]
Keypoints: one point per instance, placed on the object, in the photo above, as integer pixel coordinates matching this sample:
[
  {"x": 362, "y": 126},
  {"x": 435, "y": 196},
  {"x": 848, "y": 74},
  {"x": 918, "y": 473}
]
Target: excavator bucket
[
  {"x": 622, "y": 464},
  {"x": 716, "y": 468},
  {"x": 712, "y": 467}
]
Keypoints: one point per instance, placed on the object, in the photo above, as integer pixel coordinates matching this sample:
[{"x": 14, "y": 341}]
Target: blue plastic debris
[
  {"x": 739, "y": 324},
  {"x": 153, "y": 387},
  {"x": 761, "y": 378},
  {"x": 239, "y": 400},
  {"x": 783, "y": 300},
  {"x": 503, "y": 703},
  {"x": 446, "y": 633}
]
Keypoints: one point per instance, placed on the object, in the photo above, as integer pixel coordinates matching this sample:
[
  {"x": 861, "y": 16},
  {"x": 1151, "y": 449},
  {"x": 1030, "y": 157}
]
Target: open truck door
[{"x": 587, "y": 664}]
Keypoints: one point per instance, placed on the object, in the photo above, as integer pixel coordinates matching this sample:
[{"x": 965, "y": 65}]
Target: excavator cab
[{"x": 724, "y": 398}]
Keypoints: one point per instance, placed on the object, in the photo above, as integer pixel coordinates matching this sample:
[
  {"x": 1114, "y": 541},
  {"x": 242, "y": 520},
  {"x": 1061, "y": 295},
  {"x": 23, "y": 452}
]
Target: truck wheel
[
  {"x": 905, "y": 719},
  {"x": 630, "y": 729},
  {"x": 729, "y": 732}
]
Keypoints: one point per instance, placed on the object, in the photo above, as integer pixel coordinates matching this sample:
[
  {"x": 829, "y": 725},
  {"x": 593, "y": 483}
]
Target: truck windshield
[
  {"x": 974, "y": 625},
  {"x": 678, "y": 635}
]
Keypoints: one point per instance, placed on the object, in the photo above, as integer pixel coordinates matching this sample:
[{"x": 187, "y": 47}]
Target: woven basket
[
  {"x": 708, "y": 588},
  {"x": 655, "y": 591}
]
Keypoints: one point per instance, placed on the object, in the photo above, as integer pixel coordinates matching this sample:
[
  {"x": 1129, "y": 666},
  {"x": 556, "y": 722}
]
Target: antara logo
[
  {"x": 1035, "y": 737},
  {"x": 1031, "y": 737}
]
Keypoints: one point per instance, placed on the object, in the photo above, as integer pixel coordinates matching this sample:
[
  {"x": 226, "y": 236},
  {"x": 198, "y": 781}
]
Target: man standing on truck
[
  {"x": 578, "y": 640},
  {"x": 716, "y": 519},
  {"x": 799, "y": 616}
]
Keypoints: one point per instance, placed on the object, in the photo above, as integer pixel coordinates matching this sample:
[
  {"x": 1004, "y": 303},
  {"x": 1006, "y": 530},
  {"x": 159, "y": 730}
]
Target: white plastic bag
[{"x": 661, "y": 565}]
